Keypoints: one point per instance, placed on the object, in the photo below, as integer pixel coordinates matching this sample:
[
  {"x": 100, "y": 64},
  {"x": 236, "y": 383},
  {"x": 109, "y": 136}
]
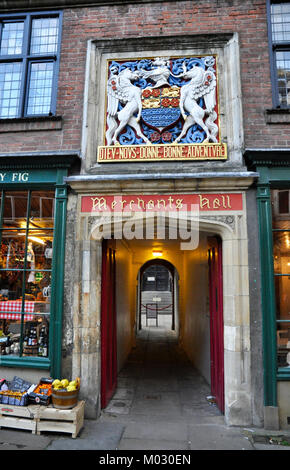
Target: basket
[{"x": 65, "y": 400}]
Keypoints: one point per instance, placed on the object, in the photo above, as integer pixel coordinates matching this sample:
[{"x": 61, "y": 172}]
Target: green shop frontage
[
  {"x": 33, "y": 205},
  {"x": 273, "y": 205}
]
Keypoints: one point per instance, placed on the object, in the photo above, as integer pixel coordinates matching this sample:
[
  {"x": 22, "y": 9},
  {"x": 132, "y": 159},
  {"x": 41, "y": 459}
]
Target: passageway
[{"x": 158, "y": 382}]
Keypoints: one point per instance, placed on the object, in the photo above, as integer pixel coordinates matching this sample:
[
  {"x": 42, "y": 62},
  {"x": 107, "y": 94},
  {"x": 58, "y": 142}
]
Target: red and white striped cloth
[{"x": 9, "y": 309}]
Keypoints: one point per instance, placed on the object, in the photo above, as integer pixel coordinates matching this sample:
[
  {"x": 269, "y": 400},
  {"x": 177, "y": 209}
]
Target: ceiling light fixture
[{"x": 157, "y": 253}]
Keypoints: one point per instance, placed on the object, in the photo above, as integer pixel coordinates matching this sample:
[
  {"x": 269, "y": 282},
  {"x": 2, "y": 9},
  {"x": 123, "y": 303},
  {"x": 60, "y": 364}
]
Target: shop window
[
  {"x": 29, "y": 56},
  {"x": 281, "y": 252},
  {"x": 279, "y": 38},
  {"x": 26, "y": 236}
]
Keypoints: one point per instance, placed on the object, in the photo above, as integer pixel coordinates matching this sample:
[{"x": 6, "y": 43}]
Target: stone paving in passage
[{"x": 162, "y": 400}]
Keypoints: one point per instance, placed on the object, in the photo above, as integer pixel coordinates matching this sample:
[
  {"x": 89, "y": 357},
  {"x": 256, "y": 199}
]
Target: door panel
[
  {"x": 108, "y": 324},
  {"x": 216, "y": 321}
]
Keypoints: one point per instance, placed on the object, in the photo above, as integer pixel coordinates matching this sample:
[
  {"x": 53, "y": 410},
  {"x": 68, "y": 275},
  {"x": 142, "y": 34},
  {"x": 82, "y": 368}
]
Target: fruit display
[
  {"x": 66, "y": 385},
  {"x": 65, "y": 393}
]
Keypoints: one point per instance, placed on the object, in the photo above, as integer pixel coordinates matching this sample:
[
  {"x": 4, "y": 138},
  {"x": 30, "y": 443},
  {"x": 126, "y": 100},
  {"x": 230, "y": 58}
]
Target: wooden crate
[
  {"x": 20, "y": 417},
  {"x": 57, "y": 420}
]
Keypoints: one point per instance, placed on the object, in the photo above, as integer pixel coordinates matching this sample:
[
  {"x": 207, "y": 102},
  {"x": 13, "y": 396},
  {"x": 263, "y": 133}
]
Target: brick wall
[{"x": 246, "y": 17}]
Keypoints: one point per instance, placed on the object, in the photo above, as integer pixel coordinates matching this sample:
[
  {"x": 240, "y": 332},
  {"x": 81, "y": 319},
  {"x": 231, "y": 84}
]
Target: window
[
  {"x": 29, "y": 58},
  {"x": 26, "y": 238},
  {"x": 281, "y": 204},
  {"x": 281, "y": 253},
  {"x": 279, "y": 27}
]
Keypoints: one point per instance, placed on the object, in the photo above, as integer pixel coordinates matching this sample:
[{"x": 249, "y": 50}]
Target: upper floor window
[
  {"x": 29, "y": 57},
  {"x": 280, "y": 40}
]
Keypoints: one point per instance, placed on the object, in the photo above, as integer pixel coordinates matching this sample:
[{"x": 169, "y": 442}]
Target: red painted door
[
  {"x": 216, "y": 321},
  {"x": 108, "y": 324}
]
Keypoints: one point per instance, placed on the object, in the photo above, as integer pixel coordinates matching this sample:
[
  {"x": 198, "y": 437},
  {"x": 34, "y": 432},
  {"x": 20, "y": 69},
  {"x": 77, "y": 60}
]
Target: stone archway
[{"x": 86, "y": 352}]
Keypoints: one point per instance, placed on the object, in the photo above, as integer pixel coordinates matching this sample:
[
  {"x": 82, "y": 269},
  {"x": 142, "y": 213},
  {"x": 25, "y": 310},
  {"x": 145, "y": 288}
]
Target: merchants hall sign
[{"x": 162, "y": 109}]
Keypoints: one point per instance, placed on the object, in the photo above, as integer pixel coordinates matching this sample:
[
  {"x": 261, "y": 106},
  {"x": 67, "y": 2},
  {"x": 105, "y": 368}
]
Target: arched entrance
[
  {"x": 194, "y": 325},
  {"x": 157, "y": 294}
]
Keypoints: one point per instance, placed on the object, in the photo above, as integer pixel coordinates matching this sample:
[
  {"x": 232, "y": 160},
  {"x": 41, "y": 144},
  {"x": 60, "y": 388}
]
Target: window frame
[
  {"x": 26, "y": 58},
  {"x": 20, "y": 359},
  {"x": 54, "y": 182},
  {"x": 275, "y": 47}
]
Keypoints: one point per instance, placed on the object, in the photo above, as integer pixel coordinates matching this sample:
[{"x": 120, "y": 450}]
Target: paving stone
[
  {"x": 213, "y": 437},
  {"x": 159, "y": 431},
  {"x": 151, "y": 444}
]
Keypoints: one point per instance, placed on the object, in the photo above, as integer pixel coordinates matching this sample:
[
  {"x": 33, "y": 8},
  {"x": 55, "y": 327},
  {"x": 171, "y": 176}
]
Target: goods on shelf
[{"x": 35, "y": 341}]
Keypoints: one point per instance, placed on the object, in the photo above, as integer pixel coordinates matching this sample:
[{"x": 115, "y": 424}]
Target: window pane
[
  {"x": 42, "y": 208},
  {"x": 283, "y": 202},
  {"x": 12, "y": 251},
  {"x": 283, "y": 345},
  {"x": 38, "y": 291},
  {"x": 44, "y": 36},
  {"x": 12, "y": 38},
  {"x": 39, "y": 254},
  {"x": 283, "y": 76},
  {"x": 280, "y": 22},
  {"x": 15, "y": 209},
  {"x": 10, "y": 83},
  {"x": 36, "y": 337},
  {"x": 40, "y": 88}
]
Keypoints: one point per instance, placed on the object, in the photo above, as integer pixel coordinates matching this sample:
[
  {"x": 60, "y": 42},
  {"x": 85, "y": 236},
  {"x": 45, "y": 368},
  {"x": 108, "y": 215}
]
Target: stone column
[
  {"x": 86, "y": 355},
  {"x": 237, "y": 326}
]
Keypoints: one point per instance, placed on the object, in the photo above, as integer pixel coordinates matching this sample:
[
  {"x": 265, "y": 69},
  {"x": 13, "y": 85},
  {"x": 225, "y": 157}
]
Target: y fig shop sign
[
  {"x": 160, "y": 203},
  {"x": 28, "y": 176}
]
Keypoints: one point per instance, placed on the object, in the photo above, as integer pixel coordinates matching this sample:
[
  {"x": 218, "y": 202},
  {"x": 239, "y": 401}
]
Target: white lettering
[
  {"x": 112, "y": 460},
  {"x": 20, "y": 177}
]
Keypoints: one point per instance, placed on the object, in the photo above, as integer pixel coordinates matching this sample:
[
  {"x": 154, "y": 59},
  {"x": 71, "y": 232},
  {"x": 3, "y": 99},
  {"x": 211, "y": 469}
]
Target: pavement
[{"x": 161, "y": 404}]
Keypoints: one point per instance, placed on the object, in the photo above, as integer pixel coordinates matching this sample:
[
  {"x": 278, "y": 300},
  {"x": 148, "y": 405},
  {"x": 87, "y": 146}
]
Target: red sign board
[{"x": 161, "y": 203}]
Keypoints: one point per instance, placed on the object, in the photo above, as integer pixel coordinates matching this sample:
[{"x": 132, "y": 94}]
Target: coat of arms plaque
[{"x": 162, "y": 101}]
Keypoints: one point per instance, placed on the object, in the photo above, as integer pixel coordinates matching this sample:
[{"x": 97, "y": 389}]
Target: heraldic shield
[
  {"x": 160, "y": 108},
  {"x": 162, "y": 101}
]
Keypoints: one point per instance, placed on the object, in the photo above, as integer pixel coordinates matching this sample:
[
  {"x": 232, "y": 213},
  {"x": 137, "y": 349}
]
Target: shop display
[
  {"x": 60, "y": 393},
  {"x": 35, "y": 342},
  {"x": 26, "y": 234},
  {"x": 33, "y": 407},
  {"x": 65, "y": 393}
]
